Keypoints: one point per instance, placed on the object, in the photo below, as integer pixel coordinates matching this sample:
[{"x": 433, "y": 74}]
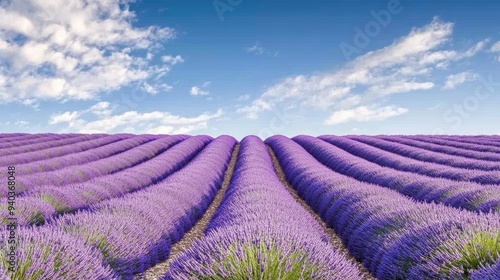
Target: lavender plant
[
  {"x": 395, "y": 237},
  {"x": 387, "y": 159},
  {"x": 261, "y": 232},
  {"x": 466, "y": 195}
]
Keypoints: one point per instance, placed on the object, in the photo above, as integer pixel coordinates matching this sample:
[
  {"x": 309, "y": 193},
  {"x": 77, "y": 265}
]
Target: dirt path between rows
[
  {"x": 196, "y": 232},
  {"x": 334, "y": 238}
]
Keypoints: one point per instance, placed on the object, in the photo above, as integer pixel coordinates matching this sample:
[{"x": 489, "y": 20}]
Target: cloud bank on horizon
[{"x": 102, "y": 67}]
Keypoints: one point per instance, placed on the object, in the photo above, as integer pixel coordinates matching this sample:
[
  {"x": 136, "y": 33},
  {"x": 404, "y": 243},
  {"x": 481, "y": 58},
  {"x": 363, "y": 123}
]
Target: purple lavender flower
[{"x": 260, "y": 232}]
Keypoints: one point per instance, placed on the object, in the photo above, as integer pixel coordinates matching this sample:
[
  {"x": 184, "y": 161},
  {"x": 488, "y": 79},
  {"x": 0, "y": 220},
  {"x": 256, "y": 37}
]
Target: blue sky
[{"x": 244, "y": 67}]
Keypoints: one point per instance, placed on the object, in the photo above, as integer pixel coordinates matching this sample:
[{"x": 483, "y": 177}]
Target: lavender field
[{"x": 82, "y": 206}]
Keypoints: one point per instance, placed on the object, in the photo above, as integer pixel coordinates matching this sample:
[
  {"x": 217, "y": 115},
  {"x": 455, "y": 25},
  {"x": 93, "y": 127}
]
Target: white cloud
[
  {"x": 155, "y": 88},
  {"x": 67, "y": 117},
  {"x": 496, "y": 49},
  {"x": 404, "y": 66},
  {"x": 200, "y": 90},
  {"x": 172, "y": 60},
  {"x": 62, "y": 50},
  {"x": 417, "y": 44},
  {"x": 475, "y": 49},
  {"x": 364, "y": 114},
  {"x": 454, "y": 80},
  {"x": 101, "y": 109},
  {"x": 253, "y": 110},
  {"x": 104, "y": 121},
  {"x": 256, "y": 49},
  {"x": 443, "y": 58},
  {"x": 196, "y": 90},
  {"x": 399, "y": 87}
]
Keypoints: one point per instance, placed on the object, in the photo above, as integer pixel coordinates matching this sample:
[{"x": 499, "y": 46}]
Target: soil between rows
[
  {"x": 333, "y": 237},
  {"x": 196, "y": 231}
]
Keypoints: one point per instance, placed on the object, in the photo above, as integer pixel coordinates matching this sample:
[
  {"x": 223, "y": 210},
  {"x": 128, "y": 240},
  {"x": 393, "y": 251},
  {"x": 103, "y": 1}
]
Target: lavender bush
[
  {"x": 136, "y": 231},
  {"x": 53, "y": 143},
  {"x": 395, "y": 237},
  {"x": 261, "y": 232},
  {"x": 47, "y": 253},
  {"x": 457, "y": 143},
  {"x": 449, "y": 150},
  {"x": 128, "y": 157},
  {"x": 428, "y": 156},
  {"x": 12, "y": 140},
  {"x": 466, "y": 195},
  {"x": 402, "y": 163},
  {"x": 79, "y": 153},
  {"x": 41, "y": 204}
]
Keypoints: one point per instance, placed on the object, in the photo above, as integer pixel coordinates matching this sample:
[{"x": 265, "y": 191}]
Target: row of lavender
[
  {"x": 12, "y": 140},
  {"x": 447, "y": 149},
  {"x": 461, "y": 144},
  {"x": 459, "y": 194},
  {"x": 72, "y": 168},
  {"x": 421, "y": 154},
  {"x": 398, "y": 162},
  {"x": 8, "y": 135},
  {"x": 97, "y": 161},
  {"x": 28, "y": 161},
  {"x": 486, "y": 140},
  {"x": 260, "y": 232},
  {"x": 47, "y": 202},
  {"x": 122, "y": 236},
  {"x": 119, "y": 156},
  {"x": 395, "y": 237},
  {"x": 43, "y": 203},
  {"x": 490, "y": 140},
  {"x": 49, "y": 142},
  {"x": 93, "y": 151}
]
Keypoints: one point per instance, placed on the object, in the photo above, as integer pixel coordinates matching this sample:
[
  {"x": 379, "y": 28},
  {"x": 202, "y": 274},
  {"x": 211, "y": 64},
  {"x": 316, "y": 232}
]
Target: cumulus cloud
[
  {"x": 74, "y": 50},
  {"x": 404, "y": 66},
  {"x": 454, "y": 80},
  {"x": 70, "y": 117},
  {"x": 100, "y": 119},
  {"x": 101, "y": 109},
  {"x": 196, "y": 90}
]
